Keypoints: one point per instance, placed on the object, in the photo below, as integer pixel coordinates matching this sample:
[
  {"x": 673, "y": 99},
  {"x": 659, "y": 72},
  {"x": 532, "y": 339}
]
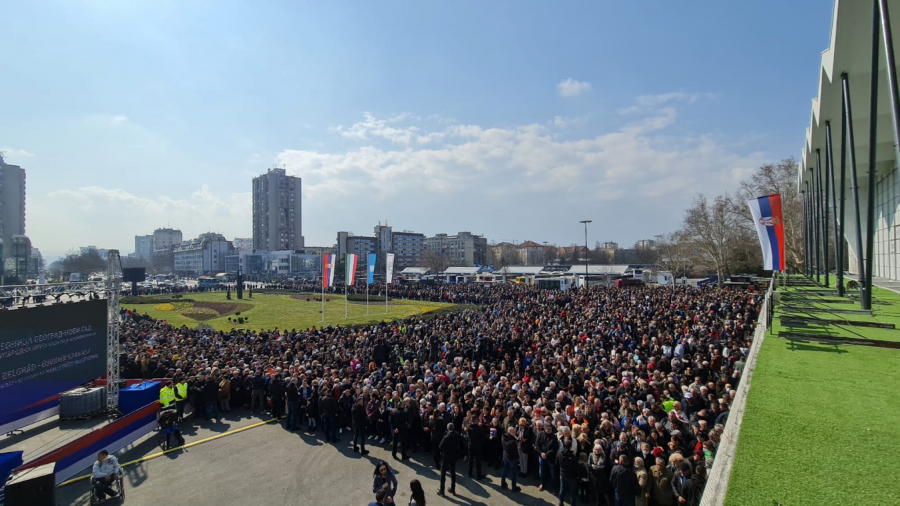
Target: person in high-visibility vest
[
  {"x": 167, "y": 395},
  {"x": 181, "y": 392}
]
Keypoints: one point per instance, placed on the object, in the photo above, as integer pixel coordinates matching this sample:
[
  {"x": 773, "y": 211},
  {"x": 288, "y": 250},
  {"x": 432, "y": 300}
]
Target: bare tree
[
  {"x": 435, "y": 262},
  {"x": 675, "y": 255},
  {"x": 710, "y": 227}
]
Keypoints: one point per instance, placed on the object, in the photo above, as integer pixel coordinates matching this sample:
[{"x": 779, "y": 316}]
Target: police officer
[
  {"x": 181, "y": 393},
  {"x": 167, "y": 395}
]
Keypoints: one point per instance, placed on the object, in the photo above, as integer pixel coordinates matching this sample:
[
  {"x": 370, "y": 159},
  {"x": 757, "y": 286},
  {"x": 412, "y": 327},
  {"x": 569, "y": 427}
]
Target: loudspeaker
[
  {"x": 134, "y": 274},
  {"x": 32, "y": 487}
]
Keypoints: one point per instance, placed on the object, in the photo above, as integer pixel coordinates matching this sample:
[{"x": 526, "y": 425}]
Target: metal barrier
[{"x": 719, "y": 475}]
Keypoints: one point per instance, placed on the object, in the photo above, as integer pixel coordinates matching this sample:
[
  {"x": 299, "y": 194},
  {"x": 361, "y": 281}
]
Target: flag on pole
[
  {"x": 769, "y": 223},
  {"x": 371, "y": 269},
  {"x": 352, "y": 258},
  {"x": 389, "y": 261},
  {"x": 327, "y": 270}
]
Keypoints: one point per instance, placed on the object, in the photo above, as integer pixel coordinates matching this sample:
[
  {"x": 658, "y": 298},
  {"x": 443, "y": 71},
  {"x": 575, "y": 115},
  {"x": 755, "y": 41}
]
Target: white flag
[{"x": 389, "y": 261}]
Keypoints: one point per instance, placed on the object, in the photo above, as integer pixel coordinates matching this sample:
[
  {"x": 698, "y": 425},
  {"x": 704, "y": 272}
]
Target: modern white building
[{"x": 854, "y": 199}]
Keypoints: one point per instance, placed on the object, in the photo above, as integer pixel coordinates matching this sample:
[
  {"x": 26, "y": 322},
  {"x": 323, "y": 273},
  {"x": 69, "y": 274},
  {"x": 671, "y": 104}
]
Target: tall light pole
[{"x": 585, "y": 252}]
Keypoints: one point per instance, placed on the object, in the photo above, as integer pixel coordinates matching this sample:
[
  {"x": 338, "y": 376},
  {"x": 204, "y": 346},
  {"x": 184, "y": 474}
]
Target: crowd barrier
[
  {"x": 717, "y": 481},
  {"x": 81, "y": 453}
]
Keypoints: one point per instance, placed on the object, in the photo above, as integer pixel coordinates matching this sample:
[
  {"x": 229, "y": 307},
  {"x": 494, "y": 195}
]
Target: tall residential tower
[{"x": 276, "y": 212}]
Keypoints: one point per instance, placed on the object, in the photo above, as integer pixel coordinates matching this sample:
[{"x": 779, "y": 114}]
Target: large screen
[{"x": 47, "y": 350}]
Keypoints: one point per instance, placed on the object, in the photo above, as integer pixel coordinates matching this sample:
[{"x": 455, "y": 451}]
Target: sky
[{"x": 511, "y": 119}]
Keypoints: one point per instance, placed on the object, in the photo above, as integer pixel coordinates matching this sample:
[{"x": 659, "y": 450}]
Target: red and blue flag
[{"x": 769, "y": 223}]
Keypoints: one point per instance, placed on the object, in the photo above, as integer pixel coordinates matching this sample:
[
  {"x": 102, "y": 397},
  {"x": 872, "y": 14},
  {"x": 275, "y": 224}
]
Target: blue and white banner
[{"x": 371, "y": 269}]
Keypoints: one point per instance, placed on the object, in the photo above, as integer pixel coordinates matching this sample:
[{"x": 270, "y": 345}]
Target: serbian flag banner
[
  {"x": 770, "y": 228},
  {"x": 327, "y": 270},
  {"x": 351, "y": 268},
  {"x": 371, "y": 266}
]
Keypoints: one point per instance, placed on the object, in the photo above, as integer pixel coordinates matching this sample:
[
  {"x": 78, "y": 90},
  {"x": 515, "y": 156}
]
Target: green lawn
[
  {"x": 284, "y": 311},
  {"x": 820, "y": 423},
  {"x": 886, "y": 309}
]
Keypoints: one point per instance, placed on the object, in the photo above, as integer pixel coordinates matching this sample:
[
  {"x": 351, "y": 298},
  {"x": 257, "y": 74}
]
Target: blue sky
[{"x": 511, "y": 119}]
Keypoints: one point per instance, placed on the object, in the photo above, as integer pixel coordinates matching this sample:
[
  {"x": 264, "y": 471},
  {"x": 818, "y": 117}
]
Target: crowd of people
[{"x": 611, "y": 395}]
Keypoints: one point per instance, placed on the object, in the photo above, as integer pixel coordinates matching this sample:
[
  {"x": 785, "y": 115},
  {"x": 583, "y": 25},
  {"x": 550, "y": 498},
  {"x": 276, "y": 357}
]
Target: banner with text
[{"x": 389, "y": 262}]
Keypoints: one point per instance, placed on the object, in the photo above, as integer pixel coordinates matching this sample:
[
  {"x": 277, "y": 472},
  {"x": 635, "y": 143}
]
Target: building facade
[
  {"x": 165, "y": 240},
  {"x": 243, "y": 243},
  {"x": 277, "y": 217},
  {"x": 408, "y": 249},
  {"x": 461, "y": 250},
  {"x": 12, "y": 212},
  {"x": 532, "y": 253},
  {"x": 205, "y": 254},
  {"x": 143, "y": 247}
]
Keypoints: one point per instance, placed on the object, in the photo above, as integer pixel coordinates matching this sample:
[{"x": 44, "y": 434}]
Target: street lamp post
[{"x": 585, "y": 252}]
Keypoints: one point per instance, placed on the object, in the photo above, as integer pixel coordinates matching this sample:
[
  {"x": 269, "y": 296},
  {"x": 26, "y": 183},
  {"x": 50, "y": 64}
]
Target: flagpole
[
  {"x": 324, "y": 273},
  {"x": 385, "y": 298},
  {"x": 367, "y": 297}
]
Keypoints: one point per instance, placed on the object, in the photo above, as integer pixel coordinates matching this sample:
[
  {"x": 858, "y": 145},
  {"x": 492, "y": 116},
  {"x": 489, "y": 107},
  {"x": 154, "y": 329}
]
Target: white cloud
[
  {"x": 12, "y": 154},
  {"x": 372, "y": 127},
  {"x": 560, "y": 122},
  {"x": 572, "y": 88},
  {"x": 118, "y": 120},
  {"x": 649, "y": 102},
  {"x": 110, "y": 217},
  {"x": 526, "y": 170}
]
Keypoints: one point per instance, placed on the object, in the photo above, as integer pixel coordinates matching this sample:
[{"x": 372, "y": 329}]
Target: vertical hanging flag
[
  {"x": 770, "y": 229},
  {"x": 389, "y": 275},
  {"x": 327, "y": 270},
  {"x": 351, "y": 268},
  {"x": 371, "y": 269}
]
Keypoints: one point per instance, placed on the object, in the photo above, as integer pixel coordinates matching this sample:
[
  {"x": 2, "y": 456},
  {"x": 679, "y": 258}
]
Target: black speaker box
[
  {"x": 136, "y": 274},
  {"x": 32, "y": 487}
]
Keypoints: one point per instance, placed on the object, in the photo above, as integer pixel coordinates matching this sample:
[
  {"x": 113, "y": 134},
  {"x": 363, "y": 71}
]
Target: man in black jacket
[
  {"x": 510, "y": 444},
  {"x": 328, "y": 408},
  {"x": 292, "y": 393},
  {"x": 358, "y": 415},
  {"x": 477, "y": 441},
  {"x": 547, "y": 446},
  {"x": 451, "y": 449},
  {"x": 687, "y": 488},
  {"x": 568, "y": 473},
  {"x": 276, "y": 393},
  {"x": 399, "y": 428},
  {"x": 624, "y": 482}
]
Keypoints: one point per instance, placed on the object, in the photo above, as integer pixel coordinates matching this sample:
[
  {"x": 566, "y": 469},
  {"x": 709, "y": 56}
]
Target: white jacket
[{"x": 106, "y": 468}]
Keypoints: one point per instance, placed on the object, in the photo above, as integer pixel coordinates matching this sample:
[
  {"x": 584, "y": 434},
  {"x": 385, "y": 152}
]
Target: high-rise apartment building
[
  {"x": 408, "y": 248},
  {"x": 12, "y": 208},
  {"x": 464, "y": 249},
  {"x": 143, "y": 247},
  {"x": 277, "y": 212},
  {"x": 165, "y": 240}
]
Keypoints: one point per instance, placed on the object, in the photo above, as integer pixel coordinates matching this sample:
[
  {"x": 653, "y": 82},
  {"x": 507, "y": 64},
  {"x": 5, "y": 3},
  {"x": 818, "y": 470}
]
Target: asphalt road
[{"x": 268, "y": 466}]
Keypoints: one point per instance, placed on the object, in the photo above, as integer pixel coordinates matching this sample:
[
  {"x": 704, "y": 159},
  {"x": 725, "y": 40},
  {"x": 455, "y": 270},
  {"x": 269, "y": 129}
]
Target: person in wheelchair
[
  {"x": 168, "y": 428},
  {"x": 105, "y": 473}
]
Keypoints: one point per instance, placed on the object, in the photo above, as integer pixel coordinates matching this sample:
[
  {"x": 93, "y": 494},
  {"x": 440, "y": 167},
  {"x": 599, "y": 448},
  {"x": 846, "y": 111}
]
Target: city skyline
[{"x": 399, "y": 112}]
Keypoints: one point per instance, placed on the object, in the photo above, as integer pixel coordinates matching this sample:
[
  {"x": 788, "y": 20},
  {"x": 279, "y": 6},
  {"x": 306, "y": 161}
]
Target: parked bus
[
  {"x": 206, "y": 281},
  {"x": 628, "y": 282},
  {"x": 562, "y": 284}
]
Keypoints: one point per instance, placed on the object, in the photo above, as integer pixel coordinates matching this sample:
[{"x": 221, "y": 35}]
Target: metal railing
[{"x": 720, "y": 474}]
